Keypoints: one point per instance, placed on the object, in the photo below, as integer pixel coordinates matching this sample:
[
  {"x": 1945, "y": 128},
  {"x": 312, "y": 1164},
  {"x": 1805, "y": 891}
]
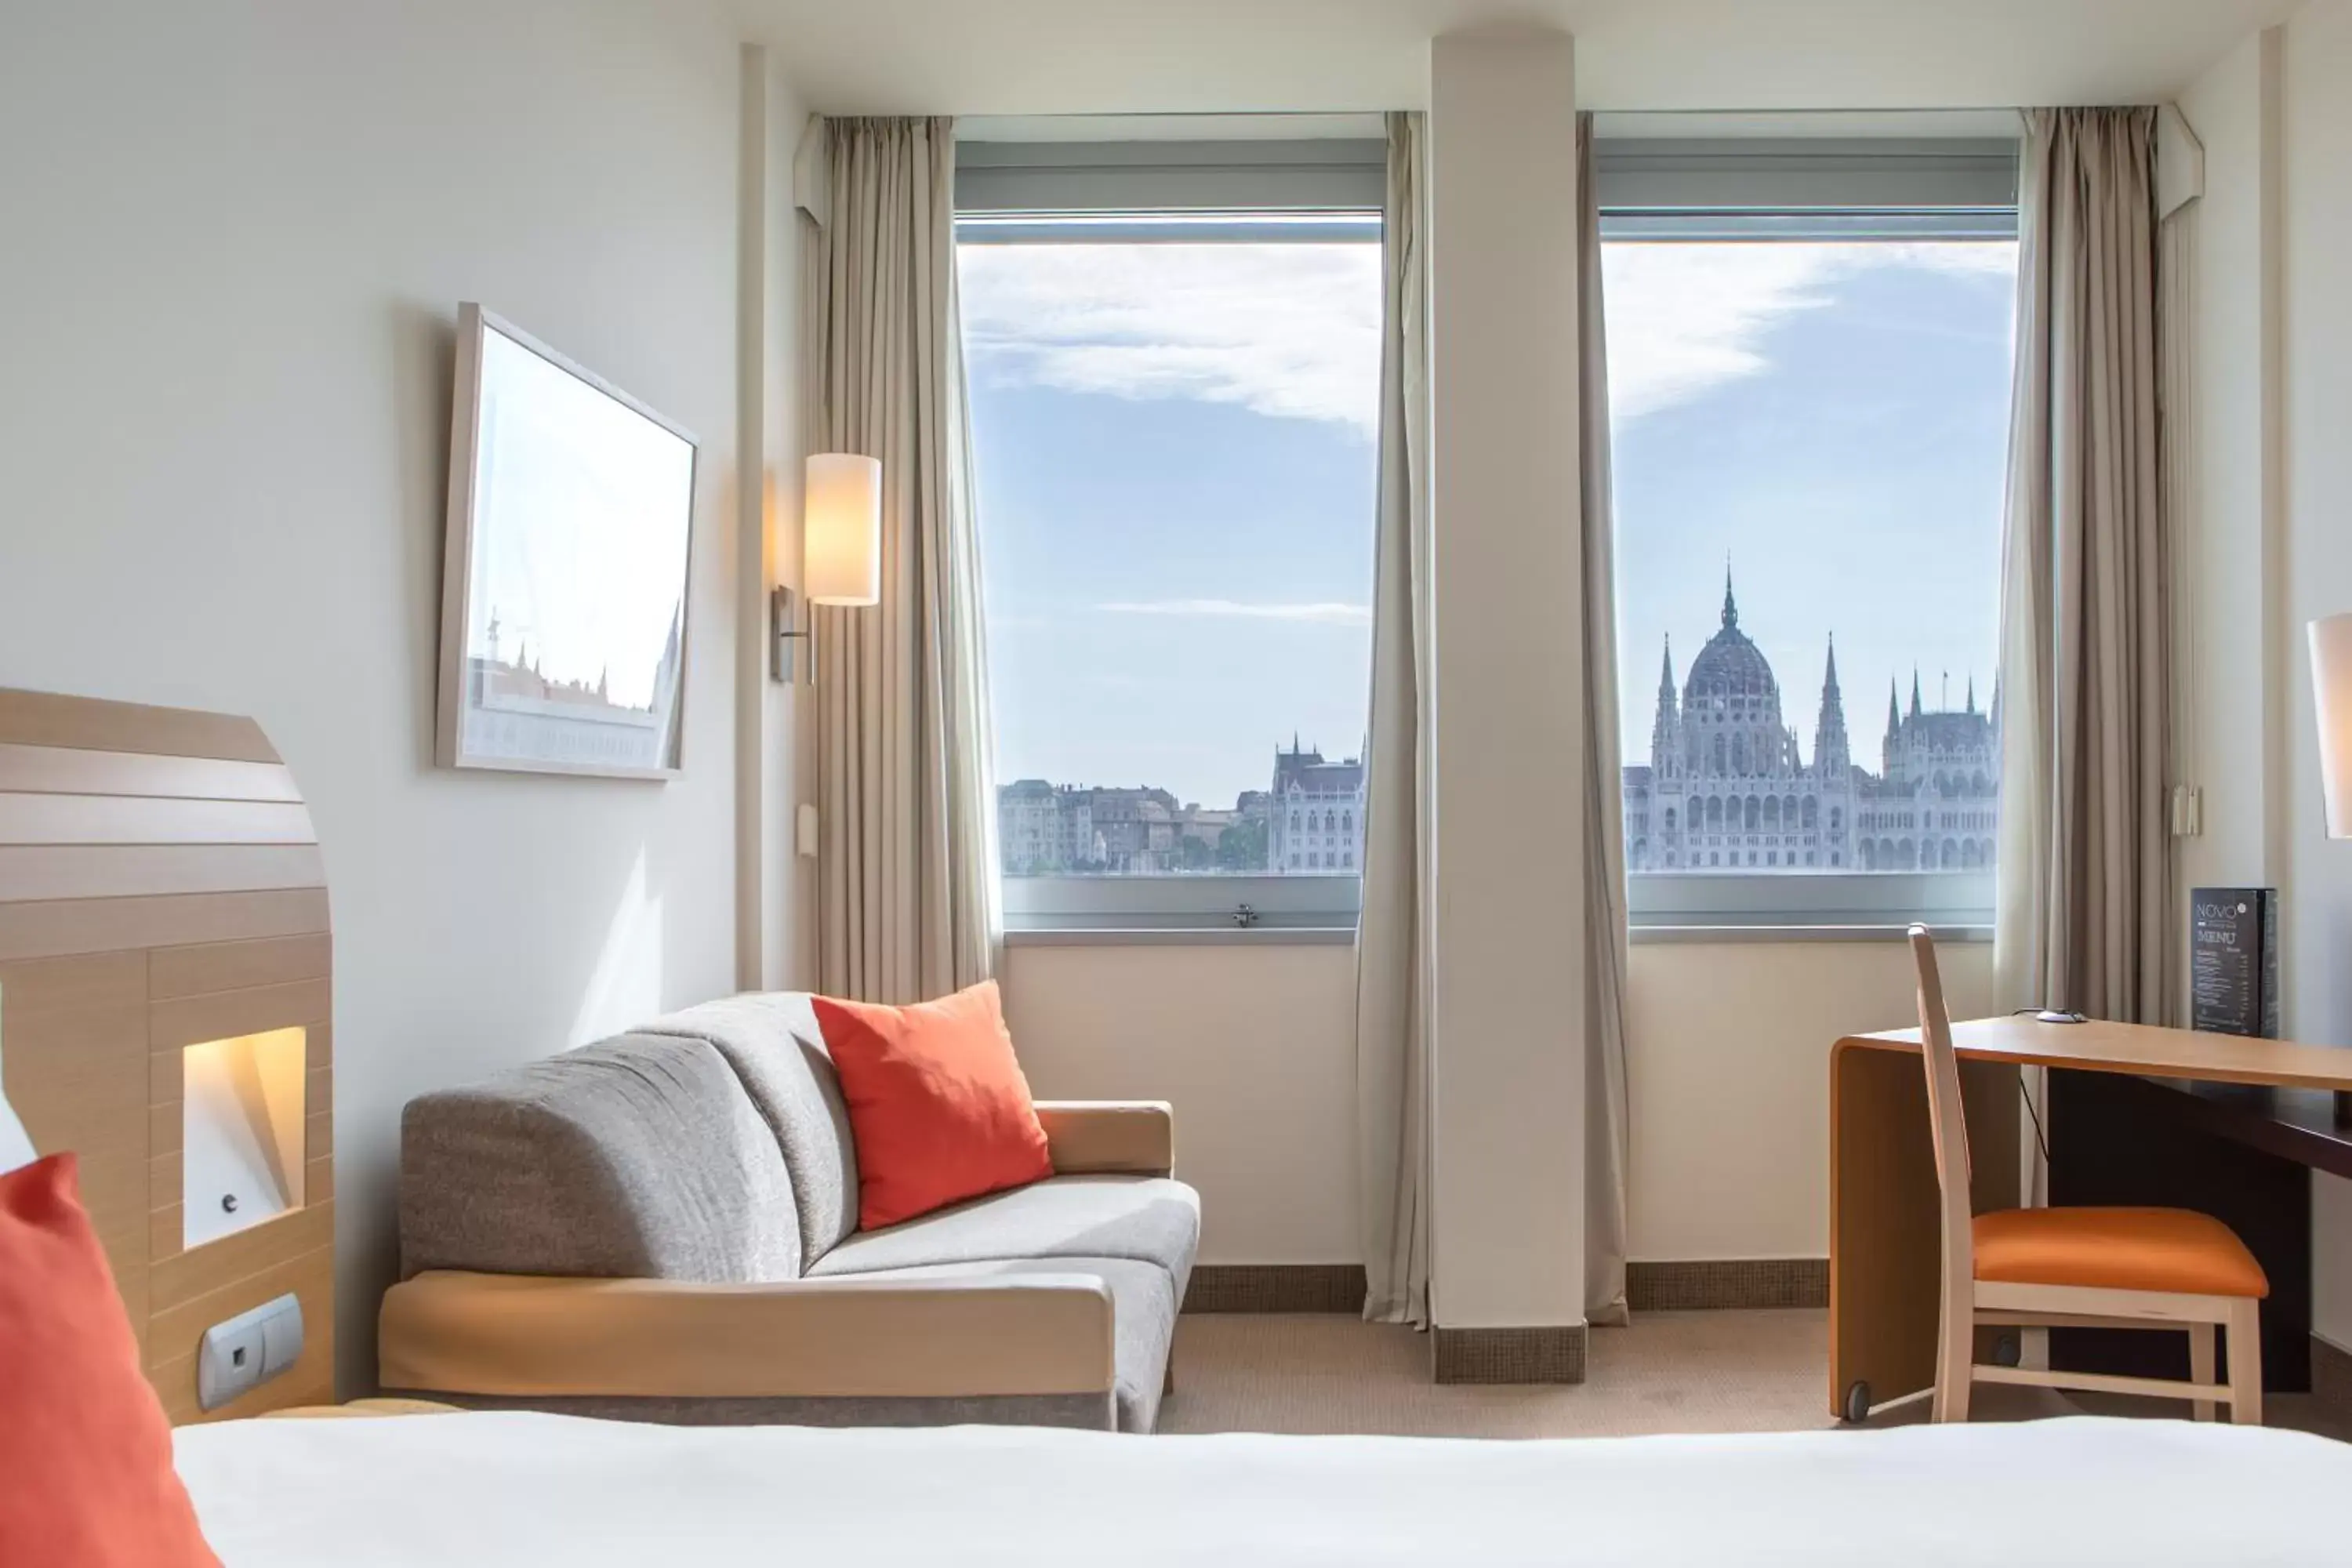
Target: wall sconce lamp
[
  {"x": 2331, "y": 691},
  {"x": 2331, "y": 699},
  {"x": 841, "y": 550}
]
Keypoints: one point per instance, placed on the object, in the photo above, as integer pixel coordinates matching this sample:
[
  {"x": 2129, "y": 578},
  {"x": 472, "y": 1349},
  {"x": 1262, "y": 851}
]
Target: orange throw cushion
[
  {"x": 86, "y": 1477},
  {"x": 937, "y": 1102},
  {"x": 2116, "y": 1250}
]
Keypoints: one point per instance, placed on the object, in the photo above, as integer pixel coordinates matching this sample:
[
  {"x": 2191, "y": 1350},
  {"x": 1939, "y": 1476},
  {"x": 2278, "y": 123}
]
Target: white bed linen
[{"x": 455, "y": 1491}]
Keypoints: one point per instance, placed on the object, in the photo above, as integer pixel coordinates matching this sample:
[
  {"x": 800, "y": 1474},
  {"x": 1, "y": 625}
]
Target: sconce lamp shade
[
  {"x": 2331, "y": 689},
  {"x": 840, "y": 529}
]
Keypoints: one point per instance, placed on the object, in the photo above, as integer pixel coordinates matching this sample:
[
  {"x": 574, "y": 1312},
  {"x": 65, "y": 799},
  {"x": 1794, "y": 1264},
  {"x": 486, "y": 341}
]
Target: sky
[
  {"x": 582, "y": 508},
  {"x": 1175, "y": 447}
]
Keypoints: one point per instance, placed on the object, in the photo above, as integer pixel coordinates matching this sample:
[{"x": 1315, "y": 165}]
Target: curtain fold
[
  {"x": 2086, "y": 919},
  {"x": 1607, "y": 1112},
  {"x": 907, "y": 899},
  {"x": 1395, "y": 959}
]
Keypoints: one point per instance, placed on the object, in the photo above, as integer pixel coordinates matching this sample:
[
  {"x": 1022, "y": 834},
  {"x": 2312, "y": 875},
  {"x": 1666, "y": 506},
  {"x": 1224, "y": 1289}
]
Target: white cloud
[
  {"x": 1330, "y": 615},
  {"x": 1287, "y": 329},
  {"x": 1293, "y": 330},
  {"x": 1686, "y": 318}
]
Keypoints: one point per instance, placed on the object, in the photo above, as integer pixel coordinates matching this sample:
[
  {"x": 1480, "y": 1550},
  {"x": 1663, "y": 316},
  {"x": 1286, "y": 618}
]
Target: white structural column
[{"x": 1508, "y": 1059}]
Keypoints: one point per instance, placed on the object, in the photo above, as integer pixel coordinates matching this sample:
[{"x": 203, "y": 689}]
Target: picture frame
[{"x": 567, "y": 567}]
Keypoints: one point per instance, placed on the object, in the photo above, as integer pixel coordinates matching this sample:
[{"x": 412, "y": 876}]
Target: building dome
[{"x": 1729, "y": 665}]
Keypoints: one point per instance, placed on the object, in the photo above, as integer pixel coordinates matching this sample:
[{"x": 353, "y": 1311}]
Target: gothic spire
[
  {"x": 1915, "y": 692},
  {"x": 1830, "y": 752},
  {"x": 1730, "y": 605},
  {"x": 1972, "y": 692},
  {"x": 1893, "y": 709},
  {"x": 1665, "y": 728}
]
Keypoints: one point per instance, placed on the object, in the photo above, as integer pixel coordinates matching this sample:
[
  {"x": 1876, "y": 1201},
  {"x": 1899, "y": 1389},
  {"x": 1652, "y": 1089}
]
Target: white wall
[
  {"x": 1728, "y": 1063},
  {"x": 2232, "y": 542},
  {"x": 1507, "y": 1113},
  {"x": 2316, "y": 229},
  {"x": 775, "y": 925},
  {"x": 236, "y": 235},
  {"x": 2268, "y": 539},
  {"x": 1254, "y": 1046}
]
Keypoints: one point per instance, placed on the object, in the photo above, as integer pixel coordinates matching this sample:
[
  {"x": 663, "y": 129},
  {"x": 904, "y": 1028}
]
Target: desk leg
[{"x": 1885, "y": 1249}]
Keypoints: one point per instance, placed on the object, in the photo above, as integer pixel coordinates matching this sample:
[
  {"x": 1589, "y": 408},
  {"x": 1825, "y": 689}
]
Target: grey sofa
[{"x": 664, "y": 1225}]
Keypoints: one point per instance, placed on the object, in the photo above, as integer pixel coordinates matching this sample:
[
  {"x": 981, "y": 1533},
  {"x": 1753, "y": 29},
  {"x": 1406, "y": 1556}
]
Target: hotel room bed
[{"x": 511, "y": 1489}]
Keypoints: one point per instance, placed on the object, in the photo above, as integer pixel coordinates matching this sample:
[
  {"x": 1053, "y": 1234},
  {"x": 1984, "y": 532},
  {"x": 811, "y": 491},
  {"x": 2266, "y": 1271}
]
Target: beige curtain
[
  {"x": 2176, "y": 414},
  {"x": 1607, "y": 1113},
  {"x": 1393, "y": 951},
  {"x": 906, "y": 881},
  {"x": 2085, "y": 907}
]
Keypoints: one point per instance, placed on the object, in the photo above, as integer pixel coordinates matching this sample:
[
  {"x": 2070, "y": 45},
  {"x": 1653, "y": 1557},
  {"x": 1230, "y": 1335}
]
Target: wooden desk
[{"x": 1885, "y": 1256}]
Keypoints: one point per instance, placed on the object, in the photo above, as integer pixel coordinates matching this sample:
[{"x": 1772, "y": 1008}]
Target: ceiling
[{"x": 1059, "y": 56}]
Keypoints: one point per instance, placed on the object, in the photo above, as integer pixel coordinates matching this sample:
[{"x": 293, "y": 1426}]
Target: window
[
  {"x": 1810, "y": 351},
  {"x": 1173, "y": 355}
]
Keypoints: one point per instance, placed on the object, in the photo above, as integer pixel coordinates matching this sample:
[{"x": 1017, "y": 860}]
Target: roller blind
[
  {"x": 1941, "y": 186},
  {"x": 1082, "y": 177}
]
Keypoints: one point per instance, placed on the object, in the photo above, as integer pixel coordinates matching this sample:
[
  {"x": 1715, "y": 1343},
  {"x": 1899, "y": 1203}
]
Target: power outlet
[
  {"x": 248, "y": 1349},
  {"x": 230, "y": 1362}
]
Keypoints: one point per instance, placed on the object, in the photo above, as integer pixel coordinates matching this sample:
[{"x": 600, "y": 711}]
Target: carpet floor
[{"x": 1670, "y": 1372}]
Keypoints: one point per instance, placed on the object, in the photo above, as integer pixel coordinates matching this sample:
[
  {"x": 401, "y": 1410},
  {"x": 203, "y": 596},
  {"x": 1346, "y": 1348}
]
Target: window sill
[
  {"x": 1728, "y": 934},
  {"x": 1345, "y": 936},
  {"x": 1183, "y": 936}
]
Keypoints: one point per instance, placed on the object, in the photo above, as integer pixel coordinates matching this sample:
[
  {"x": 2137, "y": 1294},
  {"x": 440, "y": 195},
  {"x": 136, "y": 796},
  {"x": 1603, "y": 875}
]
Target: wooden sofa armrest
[
  {"x": 528, "y": 1336},
  {"x": 1110, "y": 1137}
]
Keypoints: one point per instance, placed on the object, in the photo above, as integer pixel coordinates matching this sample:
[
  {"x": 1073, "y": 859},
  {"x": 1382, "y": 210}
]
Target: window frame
[
  {"x": 1651, "y": 188},
  {"x": 1808, "y": 189},
  {"x": 1018, "y": 192},
  {"x": 1184, "y": 901}
]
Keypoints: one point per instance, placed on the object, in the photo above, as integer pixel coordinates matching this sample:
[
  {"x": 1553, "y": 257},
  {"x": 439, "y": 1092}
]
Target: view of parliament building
[{"x": 1728, "y": 785}]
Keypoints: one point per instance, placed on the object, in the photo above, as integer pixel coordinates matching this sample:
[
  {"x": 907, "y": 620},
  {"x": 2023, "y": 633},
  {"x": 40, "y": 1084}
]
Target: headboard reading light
[
  {"x": 166, "y": 1016},
  {"x": 15, "y": 1148}
]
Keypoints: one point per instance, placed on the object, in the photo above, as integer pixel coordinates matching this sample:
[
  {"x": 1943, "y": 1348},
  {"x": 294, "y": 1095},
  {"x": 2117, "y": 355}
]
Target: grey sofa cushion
[
  {"x": 638, "y": 1157},
  {"x": 1148, "y": 1219},
  {"x": 773, "y": 1042}
]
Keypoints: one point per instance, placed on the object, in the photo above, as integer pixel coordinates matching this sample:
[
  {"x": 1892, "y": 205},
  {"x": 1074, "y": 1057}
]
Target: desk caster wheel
[{"x": 1857, "y": 1402}]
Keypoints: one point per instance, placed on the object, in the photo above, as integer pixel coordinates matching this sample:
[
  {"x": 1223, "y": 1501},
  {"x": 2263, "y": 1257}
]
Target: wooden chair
[{"x": 2077, "y": 1267}]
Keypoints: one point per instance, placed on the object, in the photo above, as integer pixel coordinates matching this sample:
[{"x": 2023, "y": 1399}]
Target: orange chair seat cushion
[{"x": 2116, "y": 1250}]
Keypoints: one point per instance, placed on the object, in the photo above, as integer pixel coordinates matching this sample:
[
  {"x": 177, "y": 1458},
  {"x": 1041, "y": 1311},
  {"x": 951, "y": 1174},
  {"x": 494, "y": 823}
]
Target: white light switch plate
[
  {"x": 2188, "y": 811},
  {"x": 246, "y": 1351}
]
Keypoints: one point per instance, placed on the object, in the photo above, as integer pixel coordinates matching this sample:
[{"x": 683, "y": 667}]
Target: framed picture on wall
[{"x": 563, "y": 600}]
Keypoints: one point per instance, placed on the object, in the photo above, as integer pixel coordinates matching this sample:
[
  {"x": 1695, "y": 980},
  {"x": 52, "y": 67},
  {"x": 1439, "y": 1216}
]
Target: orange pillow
[
  {"x": 86, "y": 1477},
  {"x": 937, "y": 1102}
]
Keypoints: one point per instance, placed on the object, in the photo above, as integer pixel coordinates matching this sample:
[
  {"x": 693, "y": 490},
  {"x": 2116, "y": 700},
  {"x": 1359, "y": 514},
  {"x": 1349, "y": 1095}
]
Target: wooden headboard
[{"x": 161, "y": 888}]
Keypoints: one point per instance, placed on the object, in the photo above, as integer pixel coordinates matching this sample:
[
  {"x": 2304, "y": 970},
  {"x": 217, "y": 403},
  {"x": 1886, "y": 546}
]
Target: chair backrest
[{"x": 1947, "y": 1119}]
